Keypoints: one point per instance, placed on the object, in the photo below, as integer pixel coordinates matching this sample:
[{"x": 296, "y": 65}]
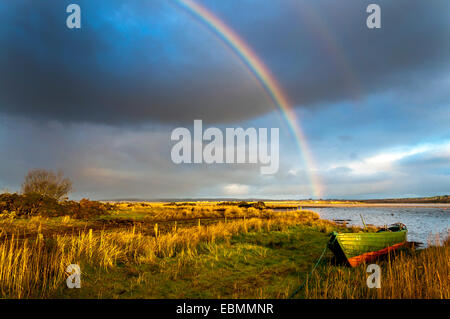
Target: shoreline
[{"x": 367, "y": 205}]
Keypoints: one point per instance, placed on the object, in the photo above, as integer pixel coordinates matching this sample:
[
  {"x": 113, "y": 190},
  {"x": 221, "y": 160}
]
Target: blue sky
[{"x": 100, "y": 103}]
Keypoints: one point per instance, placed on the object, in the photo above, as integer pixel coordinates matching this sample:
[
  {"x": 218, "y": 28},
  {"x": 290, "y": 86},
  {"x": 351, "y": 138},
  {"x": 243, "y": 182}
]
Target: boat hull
[{"x": 357, "y": 248}]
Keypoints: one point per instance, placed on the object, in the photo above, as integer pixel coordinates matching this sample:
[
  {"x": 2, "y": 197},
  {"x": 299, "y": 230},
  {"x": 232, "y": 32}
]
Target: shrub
[
  {"x": 244, "y": 204},
  {"x": 86, "y": 208},
  {"x": 39, "y": 205},
  {"x": 259, "y": 205},
  {"x": 46, "y": 183},
  {"x": 29, "y": 205}
]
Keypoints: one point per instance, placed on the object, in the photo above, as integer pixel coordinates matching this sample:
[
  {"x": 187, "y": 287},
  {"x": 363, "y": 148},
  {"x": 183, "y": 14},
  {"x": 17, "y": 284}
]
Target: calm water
[{"x": 422, "y": 222}]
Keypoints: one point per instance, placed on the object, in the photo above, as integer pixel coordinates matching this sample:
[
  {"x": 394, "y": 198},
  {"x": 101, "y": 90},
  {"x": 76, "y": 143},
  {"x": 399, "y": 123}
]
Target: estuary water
[{"x": 423, "y": 223}]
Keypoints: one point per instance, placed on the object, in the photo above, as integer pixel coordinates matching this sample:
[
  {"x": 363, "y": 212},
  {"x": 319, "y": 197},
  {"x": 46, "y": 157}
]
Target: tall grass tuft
[
  {"x": 36, "y": 267},
  {"x": 422, "y": 274}
]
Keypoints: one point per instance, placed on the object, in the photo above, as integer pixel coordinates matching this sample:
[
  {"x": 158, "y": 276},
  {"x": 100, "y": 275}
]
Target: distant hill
[
  {"x": 177, "y": 200},
  {"x": 421, "y": 200}
]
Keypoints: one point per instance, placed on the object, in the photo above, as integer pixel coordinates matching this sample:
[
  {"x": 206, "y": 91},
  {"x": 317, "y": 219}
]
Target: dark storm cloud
[
  {"x": 130, "y": 62},
  {"x": 322, "y": 51},
  {"x": 147, "y": 61}
]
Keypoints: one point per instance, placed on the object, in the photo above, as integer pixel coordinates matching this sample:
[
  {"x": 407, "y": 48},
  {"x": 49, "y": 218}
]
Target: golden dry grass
[
  {"x": 422, "y": 274},
  {"x": 36, "y": 267}
]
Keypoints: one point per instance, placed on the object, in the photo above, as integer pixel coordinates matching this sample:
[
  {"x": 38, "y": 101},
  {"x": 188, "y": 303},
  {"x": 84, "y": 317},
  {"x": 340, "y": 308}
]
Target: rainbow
[
  {"x": 263, "y": 76},
  {"x": 323, "y": 31}
]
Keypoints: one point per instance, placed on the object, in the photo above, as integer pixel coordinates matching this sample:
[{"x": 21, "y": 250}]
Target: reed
[
  {"x": 36, "y": 267},
  {"x": 422, "y": 274},
  {"x": 266, "y": 247}
]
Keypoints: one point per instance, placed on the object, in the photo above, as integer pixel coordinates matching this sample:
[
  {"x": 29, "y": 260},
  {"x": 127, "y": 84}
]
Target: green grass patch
[{"x": 254, "y": 265}]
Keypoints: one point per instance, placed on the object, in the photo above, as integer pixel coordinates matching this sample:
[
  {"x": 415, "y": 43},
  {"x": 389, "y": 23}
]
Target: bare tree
[{"x": 48, "y": 183}]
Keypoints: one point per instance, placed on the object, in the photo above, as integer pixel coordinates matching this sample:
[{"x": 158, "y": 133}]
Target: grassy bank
[
  {"x": 422, "y": 274},
  {"x": 198, "y": 251}
]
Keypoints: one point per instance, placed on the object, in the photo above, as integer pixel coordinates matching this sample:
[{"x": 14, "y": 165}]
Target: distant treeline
[{"x": 421, "y": 200}]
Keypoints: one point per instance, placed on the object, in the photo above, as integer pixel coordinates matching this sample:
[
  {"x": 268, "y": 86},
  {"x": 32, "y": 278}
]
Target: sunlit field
[{"x": 199, "y": 250}]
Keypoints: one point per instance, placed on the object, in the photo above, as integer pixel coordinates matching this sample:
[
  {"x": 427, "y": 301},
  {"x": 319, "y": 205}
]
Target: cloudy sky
[{"x": 100, "y": 102}]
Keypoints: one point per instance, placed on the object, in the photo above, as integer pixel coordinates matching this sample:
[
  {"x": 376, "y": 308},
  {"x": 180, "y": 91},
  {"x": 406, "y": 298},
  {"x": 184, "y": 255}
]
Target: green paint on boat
[{"x": 348, "y": 245}]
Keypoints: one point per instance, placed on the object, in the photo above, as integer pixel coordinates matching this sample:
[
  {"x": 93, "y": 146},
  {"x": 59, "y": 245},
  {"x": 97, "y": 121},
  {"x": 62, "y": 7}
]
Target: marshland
[{"x": 195, "y": 250}]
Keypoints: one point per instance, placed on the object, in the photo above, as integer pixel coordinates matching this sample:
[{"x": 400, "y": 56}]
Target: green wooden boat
[{"x": 356, "y": 248}]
